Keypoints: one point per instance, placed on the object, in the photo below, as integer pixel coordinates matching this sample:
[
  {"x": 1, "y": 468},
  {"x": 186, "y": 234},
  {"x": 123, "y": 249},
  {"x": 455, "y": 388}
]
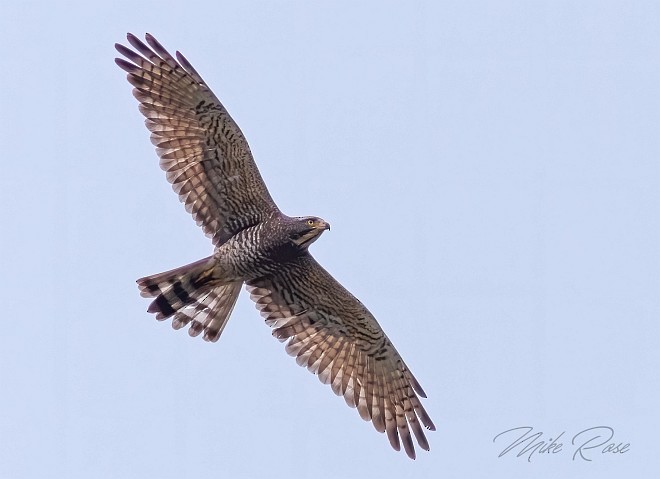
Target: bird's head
[{"x": 305, "y": 230}]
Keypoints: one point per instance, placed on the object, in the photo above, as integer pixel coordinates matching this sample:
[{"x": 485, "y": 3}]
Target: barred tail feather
[
  {"x": 157, "y": 284},
  {"x": 189, "y": 295},
  {"x": 210, "y": 311}
]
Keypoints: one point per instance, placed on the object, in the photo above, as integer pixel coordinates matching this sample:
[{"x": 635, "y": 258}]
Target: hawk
[{"x": 209, "y": 164}]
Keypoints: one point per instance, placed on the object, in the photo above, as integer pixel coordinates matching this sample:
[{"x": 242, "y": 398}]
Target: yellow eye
[{"x": 310, "y": 222}]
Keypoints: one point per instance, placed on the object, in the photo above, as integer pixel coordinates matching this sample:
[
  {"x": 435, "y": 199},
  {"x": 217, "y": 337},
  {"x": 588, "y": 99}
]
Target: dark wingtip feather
[
  {"x": 128, "y": 53},
  {"x": 409, "y": 447},
  {"x": 155, "y": 44},
  {"x": 393, "y": 437},
  {"x": 138, "y": 44},
  {"x": 414, "y": 383},
  {"x": 426, "y": 420},
  {"x": 189, "y": 68},
  {"x": 124, "y": 65},
  {"x": 419, "y": 435}
]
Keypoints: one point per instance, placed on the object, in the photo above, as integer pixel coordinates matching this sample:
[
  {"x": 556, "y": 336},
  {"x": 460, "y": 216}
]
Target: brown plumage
[{"x": 209, "y": 164}]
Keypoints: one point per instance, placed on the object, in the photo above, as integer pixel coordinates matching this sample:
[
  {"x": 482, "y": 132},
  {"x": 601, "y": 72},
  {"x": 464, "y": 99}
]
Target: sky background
[{"x": 491, "y": 171}]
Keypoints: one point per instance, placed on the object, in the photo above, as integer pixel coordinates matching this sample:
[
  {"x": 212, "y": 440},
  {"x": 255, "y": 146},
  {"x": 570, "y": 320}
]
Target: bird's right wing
[
  {"x": 202, "y": 150},
  {"x": 332, "y": 334}
]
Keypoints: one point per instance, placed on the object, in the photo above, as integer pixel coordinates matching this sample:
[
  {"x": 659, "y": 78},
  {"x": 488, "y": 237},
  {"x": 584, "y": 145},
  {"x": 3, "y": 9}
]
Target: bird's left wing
[
  {"x": 201, "y": 148},
  {"x": 334, "y": 335}
]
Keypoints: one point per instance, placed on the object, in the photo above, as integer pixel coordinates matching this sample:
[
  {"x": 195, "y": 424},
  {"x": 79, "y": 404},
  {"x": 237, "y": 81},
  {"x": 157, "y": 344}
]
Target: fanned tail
[{"x": 189, "y": 295}]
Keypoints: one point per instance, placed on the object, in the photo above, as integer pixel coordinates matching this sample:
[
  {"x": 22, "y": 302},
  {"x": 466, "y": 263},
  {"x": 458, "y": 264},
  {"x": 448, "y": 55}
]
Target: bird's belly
[{"x": 243, "y": 258}]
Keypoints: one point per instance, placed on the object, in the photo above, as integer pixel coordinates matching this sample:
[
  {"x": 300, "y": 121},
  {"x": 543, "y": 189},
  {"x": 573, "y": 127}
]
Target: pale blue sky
[{"x": 491, "y": 171}]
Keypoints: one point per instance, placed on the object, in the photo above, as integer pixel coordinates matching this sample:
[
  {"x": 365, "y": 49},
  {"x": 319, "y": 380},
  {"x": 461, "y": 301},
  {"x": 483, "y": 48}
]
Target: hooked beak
[{"x": 325, "y": 225}]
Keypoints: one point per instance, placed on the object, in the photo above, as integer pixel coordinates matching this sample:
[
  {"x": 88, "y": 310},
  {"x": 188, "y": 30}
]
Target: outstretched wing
[
  {"x": 202, "y": 150},
  {"x": 332, "y": 334}
]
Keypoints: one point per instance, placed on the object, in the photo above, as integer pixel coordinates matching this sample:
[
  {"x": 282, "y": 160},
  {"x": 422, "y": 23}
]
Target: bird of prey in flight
[{"x": 209, "y": 164}]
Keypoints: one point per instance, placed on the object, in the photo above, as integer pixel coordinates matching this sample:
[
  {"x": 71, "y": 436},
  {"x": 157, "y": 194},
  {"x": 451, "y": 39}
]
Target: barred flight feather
[{"x": 363, "y": 368}]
